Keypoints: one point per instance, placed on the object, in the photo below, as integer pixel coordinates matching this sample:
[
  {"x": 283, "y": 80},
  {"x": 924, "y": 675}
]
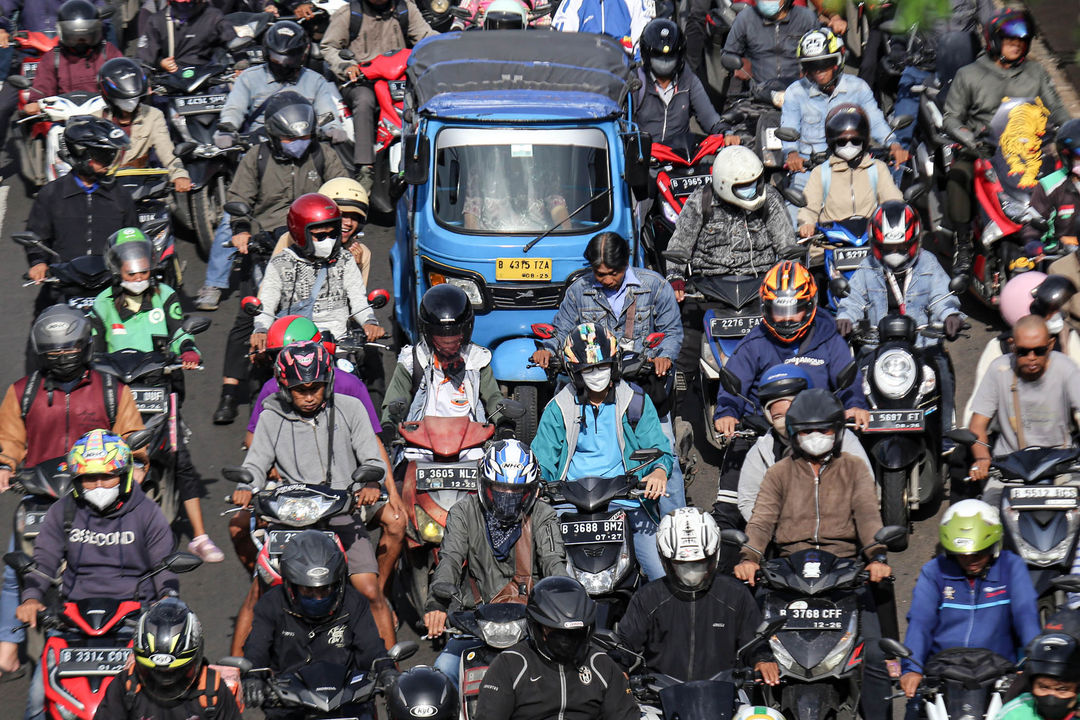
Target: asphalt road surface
[{"x": 216, "y": 591}]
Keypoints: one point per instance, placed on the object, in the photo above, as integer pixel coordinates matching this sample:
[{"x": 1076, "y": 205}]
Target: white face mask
[
  {"x": 895, "y": 260},
  {"x": 849, "y": 152},
  {"x": 323, "y": 248},
  {"x": 692, "y": 574},
  {"x": 816, "y": 444},
  {"x": 1055, "y": 324},
  {"x": 135, "y": 287},
  {"x": 597, "y": 378},
  {"x": 101, "y": 497}
]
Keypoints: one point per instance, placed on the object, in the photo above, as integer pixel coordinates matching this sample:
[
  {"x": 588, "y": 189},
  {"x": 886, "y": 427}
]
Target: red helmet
[
  {"x": 895, "y": 230},
  {"x": 310, "y": 211}
]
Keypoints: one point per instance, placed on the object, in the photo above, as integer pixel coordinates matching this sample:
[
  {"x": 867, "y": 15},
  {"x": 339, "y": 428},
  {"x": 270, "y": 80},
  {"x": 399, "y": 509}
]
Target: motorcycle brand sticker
[
  {"x": 336, "y": 636},
  {"x": 571, "y": 624},
  {"x": 162, "y": 659},
  {"x": 585, "y": 675},
  {"x": 423, "y": 711},
  {"x": 811, "y": 570},
  {"x": 963, "y": 543}
]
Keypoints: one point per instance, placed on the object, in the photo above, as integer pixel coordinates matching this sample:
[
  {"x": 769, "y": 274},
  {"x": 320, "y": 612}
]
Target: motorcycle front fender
[
  {"x": 510, "y": 361},
  {"x": 200, "y": 172},
  {"x": 813, "y": 701},
  {"x": 897, "y": 452}
]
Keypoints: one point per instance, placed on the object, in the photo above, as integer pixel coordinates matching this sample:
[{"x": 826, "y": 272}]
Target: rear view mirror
[
  {"x": 900, "y": 122},
  {"x": 181, "y": 562},
  {"x": 893, "y": 648},
  {"x": 1068, "y": 583},
  {"x": 959, "y": 284},
  {"x": 734, "y": 538},
  {"x": 183, "y": 149},
  {"x": 646, "y": 455},
  {"x": 653, "y": 340},
  {"x": 19, "y": 561},
  {"x": 893, "y": 537},
  {"x": 251, "y": 306},
  {"x": 396, "y": 410},
  {"x": 511, "y": 408},
  {"x": 240, "y": 663},
  {"x": 238, "y": 209},
  {"x": 768, "y": 628},
  {"x": 788, "y": 134},
  {"x": 915, "y": 191},
  {"x": 139, "y": 439},
  {"x": 544, "y": 331},
  {"x": 416, "y": 152},
  {"x": 793, "y": 196},
  {"x": 18, "y": 82},
  {"x": 847, "y": 375},
  {"x": 839, "y": 286},
  {"x": 238, "y": 474},
  {"x": 731, "y": 63},
  {"x": 367, "y": 474},
  {"x": 378, "y": 298},
  {"x": 731, "y": 384},
  {"x": 638, "y": 148},
  {"x": 961, "y": 436},
  {"x": 403, "y": 650},
  {"x": 26, "y": 238},
  {"x": 194, "y": 325}
]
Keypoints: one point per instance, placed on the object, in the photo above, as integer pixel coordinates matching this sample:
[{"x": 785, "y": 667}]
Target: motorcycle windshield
[
  {"x": 699, "y": 699},
  {"x": 1018, "y": 127},
  {"x": 1034, "y": 463},
  {"x": 522, "y": 181}
]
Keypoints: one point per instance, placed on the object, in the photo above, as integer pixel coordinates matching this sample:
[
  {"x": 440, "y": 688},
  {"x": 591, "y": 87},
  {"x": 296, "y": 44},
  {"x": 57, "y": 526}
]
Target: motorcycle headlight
[
  {"x": 669, "y": 212},
  {"x": 502, "y": 635},
  {"x": 894, "y": 373},
  {"x": 604, "y": 581},
  {"x": 838, "y": 653},
  {"x": 430, "y": 531},
  {"x": 783, "y": 657},
  {"x": 300, "y": 512},
  {"x": 1031, "y": 554}
]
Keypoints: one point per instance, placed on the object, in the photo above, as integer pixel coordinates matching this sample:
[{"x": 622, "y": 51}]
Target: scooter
[
  {"x": 496, "y": 627},
  {"x": 92, "y": 640},
  {"x": 150, "y": 189},
  {"x": 41, "y": 486},
  {"x": 77, "y": 281}
]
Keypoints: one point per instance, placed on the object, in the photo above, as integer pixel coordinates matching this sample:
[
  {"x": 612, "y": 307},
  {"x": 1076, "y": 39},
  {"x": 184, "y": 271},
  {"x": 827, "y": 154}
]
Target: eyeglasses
[
  {"x": 1039, "y": 351},
  {"x": 852, "y": 142}
]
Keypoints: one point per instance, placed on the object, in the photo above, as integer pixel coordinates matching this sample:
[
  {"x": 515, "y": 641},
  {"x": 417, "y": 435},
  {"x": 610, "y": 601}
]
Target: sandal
[{"x": 205, "y": 548}]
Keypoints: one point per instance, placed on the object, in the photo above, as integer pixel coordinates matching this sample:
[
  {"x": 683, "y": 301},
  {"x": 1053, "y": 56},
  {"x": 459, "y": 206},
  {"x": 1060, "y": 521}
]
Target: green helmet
[
  {"x": 970, "y": 526},
  {"x": 128, "y": 234},
  {"x": 291, "y": 329}
]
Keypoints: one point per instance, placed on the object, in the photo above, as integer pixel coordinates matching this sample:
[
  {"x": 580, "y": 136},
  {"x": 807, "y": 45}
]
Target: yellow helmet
[
  {"x": 100, "y": 452},
  {"x": 348, "y": 194}
]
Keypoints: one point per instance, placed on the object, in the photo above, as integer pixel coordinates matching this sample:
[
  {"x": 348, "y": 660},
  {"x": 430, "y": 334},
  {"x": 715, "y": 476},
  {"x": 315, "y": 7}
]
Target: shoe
[
  {"x": 205, "y": 548},
  {"x": 208, "y": 298},
  {"x": 962, "y": 258},
  {"x": 226, "y": 410},
  {"x": 365, "y": 175}
]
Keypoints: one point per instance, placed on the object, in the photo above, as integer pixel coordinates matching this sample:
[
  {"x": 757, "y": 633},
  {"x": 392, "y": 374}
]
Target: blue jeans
[
  {"x": 907, "y": 103},
  {"x": 449, "y": 660},
  {"x": 648, "y": 556},
  {"x": 676, "y": 486},
  {"x": 219, "y": 266},
  {"x": 10, "y": 627},
  {"x": 35, "y": 700}
]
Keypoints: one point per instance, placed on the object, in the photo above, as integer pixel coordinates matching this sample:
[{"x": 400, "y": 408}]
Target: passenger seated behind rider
[
  {"x": 694, "y": 606},
  {"x": 352, "y": 200},
  {"x": 1053, "y": 666},
  {"x": 850, "y": 183},
  {"x": 951, "y": 606},
  {"x": 739, "y": 227},
  {"x": 819, "y": 497},
  {"x": 510, "y": 192},
  {"x": 593, "y": 425},
  {"x": 498, "y": 543},
  {"x": 190, "y": 33}
]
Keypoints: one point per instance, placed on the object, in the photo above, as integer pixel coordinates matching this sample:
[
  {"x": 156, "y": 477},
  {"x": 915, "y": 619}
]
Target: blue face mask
[
  {"x": 313, "y": 607},
  {"x": 768, "y": 8},
  {"x": 295, "y": 148}
]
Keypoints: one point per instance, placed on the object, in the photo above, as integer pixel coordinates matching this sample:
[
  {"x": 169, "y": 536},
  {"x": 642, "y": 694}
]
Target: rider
[
  {"x": 1055, "y": 199},
  {"x": 123, "y": 86},
  {"x": 352, "y": 201},
  {"x": 174, "y": 684},
  {"x": 973, "y": 594},
  {"x": 105, "y": 502},
  {"x": 975, "y": 95},
  {"x": 190, "y": 33},
  {"x": 313, "y": 616},
  {"x": 593, "y": 425},
  {"x": 850, "y": 183},
  {"x": 498, "y": 544},
  {"x": 139, "y": 313},
  {"x": 766, "y": 41},
  {"x": 1053, "y": 665},
  {"x": 566, "y": 677},
  {"x": 691, "y": 623},
  {"x": 845, "y": 518}
]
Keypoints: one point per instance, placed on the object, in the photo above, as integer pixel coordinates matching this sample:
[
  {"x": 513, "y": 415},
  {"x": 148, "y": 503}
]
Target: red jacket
[{"x": 70, "y": 72}]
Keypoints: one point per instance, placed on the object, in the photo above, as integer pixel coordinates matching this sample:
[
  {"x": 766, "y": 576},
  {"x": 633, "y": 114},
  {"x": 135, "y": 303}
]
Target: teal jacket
[
  {"x": 155, "y": 326},
  {"x": 1021, "y": 707}
]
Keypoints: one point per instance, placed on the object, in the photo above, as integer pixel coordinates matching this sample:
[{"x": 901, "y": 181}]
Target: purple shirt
[{"x": 344, "y": 383}]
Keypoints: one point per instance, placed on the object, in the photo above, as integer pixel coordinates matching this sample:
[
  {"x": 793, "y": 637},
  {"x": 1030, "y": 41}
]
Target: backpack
[
  {"x": 826, "y": 179},
  {"x": 356, "y": 18},
  {"x": 108, "y": 391},
  {"x": 316, "y": 155}
]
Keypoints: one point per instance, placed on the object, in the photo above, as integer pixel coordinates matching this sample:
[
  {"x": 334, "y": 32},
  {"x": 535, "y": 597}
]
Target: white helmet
[
  {"x": 757, "y": 712},
  {"x": 738, "y": 177},
  {"x": 688, "y": 541},
  {"x": 506, "y": 15}
]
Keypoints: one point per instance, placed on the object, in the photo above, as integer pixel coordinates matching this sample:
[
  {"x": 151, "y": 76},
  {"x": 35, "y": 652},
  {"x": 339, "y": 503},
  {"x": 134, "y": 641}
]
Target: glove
[
  {"x": 965, "y": 136},
  {"x": 844, "y": 326},
  {"x": 678, "y": 285},
  {"x": 388, "y": 676},
  {"x": 953, "y": 325},
  {"x": 224, "y": 140},
  {"x": 336, "y": 135},
  {"x": 254, "y": 691},
  {"x": 190, "y": 356}
]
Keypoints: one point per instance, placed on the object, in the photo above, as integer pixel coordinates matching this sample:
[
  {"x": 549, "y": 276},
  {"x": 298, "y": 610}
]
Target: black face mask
[
  {"x": 568, "y": 647},
  {"x": 1051, "y": 707},
  {"x": 66, "y": 368}
]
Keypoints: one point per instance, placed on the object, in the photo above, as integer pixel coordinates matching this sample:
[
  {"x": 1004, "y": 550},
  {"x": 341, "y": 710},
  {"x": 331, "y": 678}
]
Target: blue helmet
[
  {"x": 782, "y": 381},
  {"x": 509, "y": 481}
]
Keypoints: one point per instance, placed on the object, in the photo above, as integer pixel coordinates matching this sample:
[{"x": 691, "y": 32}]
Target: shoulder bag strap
[{"x": 1017, "y": 422}]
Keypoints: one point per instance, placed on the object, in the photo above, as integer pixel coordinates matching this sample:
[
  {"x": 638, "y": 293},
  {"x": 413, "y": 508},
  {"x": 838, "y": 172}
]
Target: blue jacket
[
  {"x": 656, "y": 311},
  {"x": 997, "y": 612},
  {"x": 805, "y": 108},
  {"x": 822, "y": 354},
  {"x": 870, "y": 293},
  {"x": 617, "y": 18},
  {"x": 254, "y": 85}
]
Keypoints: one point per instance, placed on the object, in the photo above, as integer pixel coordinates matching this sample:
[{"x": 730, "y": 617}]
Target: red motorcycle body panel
[{"x": 446, "y": 437}]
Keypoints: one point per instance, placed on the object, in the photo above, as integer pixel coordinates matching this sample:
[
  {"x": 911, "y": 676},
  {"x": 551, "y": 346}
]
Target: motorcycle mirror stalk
[{"x": 30, "y": 239}]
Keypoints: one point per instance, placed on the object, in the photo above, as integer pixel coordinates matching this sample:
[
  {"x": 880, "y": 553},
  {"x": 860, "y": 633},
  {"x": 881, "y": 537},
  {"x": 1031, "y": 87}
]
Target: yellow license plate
[{"x": 523, "y": 269}]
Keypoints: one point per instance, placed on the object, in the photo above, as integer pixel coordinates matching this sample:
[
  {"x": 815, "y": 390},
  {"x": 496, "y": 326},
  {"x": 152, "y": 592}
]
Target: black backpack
[{"x": 356, "y": 18}]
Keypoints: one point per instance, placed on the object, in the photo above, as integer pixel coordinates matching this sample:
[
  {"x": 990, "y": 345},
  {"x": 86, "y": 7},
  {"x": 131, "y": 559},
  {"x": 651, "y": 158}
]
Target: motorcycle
[
  {"x": 150, "y": 188},
  {"x": 149, "y": 376},
  {"x": 77, "y": 281},
  {"x": 959, "y": 682},
  {"x": 31, "y": 47},
  {"x": 820, "y": 647},
  {"x": 89, "y": 640},
  {"x": 496, "y": 627}
]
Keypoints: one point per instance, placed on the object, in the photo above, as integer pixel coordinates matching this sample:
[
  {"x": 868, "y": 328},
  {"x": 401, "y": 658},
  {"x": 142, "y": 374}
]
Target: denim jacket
[
  {"x": 656, "y": 311},
  {"x": 928, "y": 283},
  {"x": 805, "y": 108}
]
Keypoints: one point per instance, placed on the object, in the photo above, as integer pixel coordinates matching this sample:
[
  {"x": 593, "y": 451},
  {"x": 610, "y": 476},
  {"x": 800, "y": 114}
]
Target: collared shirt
[
  {"x": 665, "y": 93},
  {"x": 617, "y": 298},
  {"x": 85, "y": 188}
]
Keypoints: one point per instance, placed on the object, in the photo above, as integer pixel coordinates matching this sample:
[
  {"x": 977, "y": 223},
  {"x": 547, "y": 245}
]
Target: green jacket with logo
[{"x": 156, "y": 325}]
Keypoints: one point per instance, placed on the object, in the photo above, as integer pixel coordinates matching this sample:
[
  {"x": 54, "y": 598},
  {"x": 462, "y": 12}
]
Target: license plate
[
  {"x": 523, "y": 269},
  {"x": 150, "y": 400},
  {"x": 681, "y": 186},
  {"x": 895, "y": 421},
  {"x": 92, "y": 661},
  {"x": 588, "y": 532},
  {"x": 1043, "y": 497},
  {"x": 278, "y": 538},
  {"x": 813, "y": 614},
  {"x": 442, "y": 476},
  {"x": 29, "y": 70},
  {"x": 849, "y": 258},
  {"x": 771, "y": 141},
  {"x": 733, "y": 327},
  {"x": 81, "y": 303},
  {"x": 199, "y": 104}
]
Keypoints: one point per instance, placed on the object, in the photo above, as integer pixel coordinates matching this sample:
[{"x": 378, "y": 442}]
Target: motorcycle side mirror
[
  {"x": 730, "y": 62},
  {"x": 183, "y": 149},
  {"x": 915, "y": 191},
  {"x": 240, "y": 663},
  {"x": 19, "y": 561},
  {"x": 367, "y": 474},
  {"x": 139, "y": 439},
  {"x": 18, "y": 82},
  {"x": 396, "y": 410},
  {"x": 544, "y": 331},
  {"x": 961, "y": 436},
  {"x": 326, "y": 119},
  {"x": 26, "y": 238},
  {"x": 1068, "y": 583},
  {"x": 959, "y": 284},
  {"x": 767, "y": 628},
  {"x": 735, "y": 538},
  {"x": 893, "y": 538},
  {"x": 237, "y": 474},
  {"x": 794, "y": 196},
  {"x": 510, "y": 408},
  {"x": 403, "y": 650},
  {"x": 894, "y": 648},
  {"x": 378, "y": 298},
  {"x": 251, "y": 305},
  {"x": 181, "y": 562},
  {"x": 416, "y": 151},
  {"x": 731, "y": 384},
  {"x": 839, "y": 286},
  {"x": 238, "y": 208},
  {"x": 901, "y": 121},
  {"x": 653, "y": 340},
  {"x": 847, "y": 375},
  {"x": 733, "y": 117},
  {"x": 346, "y": 54},
  {"x": 646, "y": 455},
  {"x": 788, "y": 134},
  {"x": 195, "y": 325}
]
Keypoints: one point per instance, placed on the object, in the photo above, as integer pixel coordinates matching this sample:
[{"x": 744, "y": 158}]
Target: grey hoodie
[{"x": 297, "y": 446}]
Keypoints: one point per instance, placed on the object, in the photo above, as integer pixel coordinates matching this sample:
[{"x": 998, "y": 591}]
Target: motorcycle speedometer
[{"x": 895, "y": 373}]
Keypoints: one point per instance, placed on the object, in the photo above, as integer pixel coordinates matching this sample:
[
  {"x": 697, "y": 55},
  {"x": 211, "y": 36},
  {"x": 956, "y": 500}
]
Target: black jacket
[
  {"x": 522, "y": 685},
  {"x": 283, "y": 641},
  {"x": 691, "y": 639},
  {"x": 73, "y": 222},
  {"x": 195, "y": 43},
  {"x": 208, "y": 699}
]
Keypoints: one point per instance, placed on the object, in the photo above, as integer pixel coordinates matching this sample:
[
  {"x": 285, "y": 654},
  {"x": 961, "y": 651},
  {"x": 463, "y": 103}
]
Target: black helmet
[
  {"x": 850, "y": 123},
  {"x": 663, "y": 48},
  {"x": 1068, "y": 144},
  {"x": 422, "y": 692},
  {"x": 446, "y": 312},
  {"x": 1008, "y": 23},
  {"x": 312, "y": 560},
  {"x": 122, "y": 83},
  {"x": 1052, "y": 295},
  {"x": 815, "y": 409},
  {"x": 561, "y": 618},
  {"x": 288, "y": 114},
  {"x": 1065, "y": 620},
  {"x": 285, "y": 47},
  {"x": 168, "y": 649},
  {"x": 1054, "y": 655},
  {"x": 60, "y": 340},
  {"x": 89, "y": 138},
  {"x": 79, "y": 25}
]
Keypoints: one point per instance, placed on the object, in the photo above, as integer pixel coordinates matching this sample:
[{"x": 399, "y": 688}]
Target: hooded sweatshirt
[{"x": 106, "y": 554}]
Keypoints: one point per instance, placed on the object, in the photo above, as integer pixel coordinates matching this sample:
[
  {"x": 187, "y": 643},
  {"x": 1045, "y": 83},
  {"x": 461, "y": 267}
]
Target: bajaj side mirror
[
  {"x": 378, "y": 298},
  {"x": 793, "y": 196},
  {"x": 194, "y": 325},
  {"x": 731, "y": 384},
  {"x": 416, "y": 152},
  {"x": 646, "y": 455}
]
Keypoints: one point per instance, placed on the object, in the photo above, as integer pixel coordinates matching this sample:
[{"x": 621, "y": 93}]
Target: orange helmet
[{"x": 788, "y": 301}]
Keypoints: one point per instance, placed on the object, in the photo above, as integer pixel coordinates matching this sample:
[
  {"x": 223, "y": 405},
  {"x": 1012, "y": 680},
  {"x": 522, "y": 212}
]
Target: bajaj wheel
[
  {"x": 894, "y": 497},
  {"x": 205, "y": 215},
  {"x": 525, "y": 426}
]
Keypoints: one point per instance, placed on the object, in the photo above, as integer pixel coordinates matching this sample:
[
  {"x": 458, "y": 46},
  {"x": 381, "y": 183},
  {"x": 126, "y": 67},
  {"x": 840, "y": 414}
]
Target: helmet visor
[
  {"x": 750, "y": 190},
  {"x": 566, "y": 646},
  {"x": 818, "y": 65},
  {"x": 1017, "y": 28},
  {"x": 506, "y": 502},
  {"x": 786, "y": 309},
  {"x": 128, "y": 105},
  {"x": 691, "y": 574}
]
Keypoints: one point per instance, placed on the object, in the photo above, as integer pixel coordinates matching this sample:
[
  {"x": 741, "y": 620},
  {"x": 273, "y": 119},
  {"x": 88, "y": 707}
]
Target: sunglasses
[
  {"x": 1039, "y": 351},
  {"x": 852, "y": 142}
]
